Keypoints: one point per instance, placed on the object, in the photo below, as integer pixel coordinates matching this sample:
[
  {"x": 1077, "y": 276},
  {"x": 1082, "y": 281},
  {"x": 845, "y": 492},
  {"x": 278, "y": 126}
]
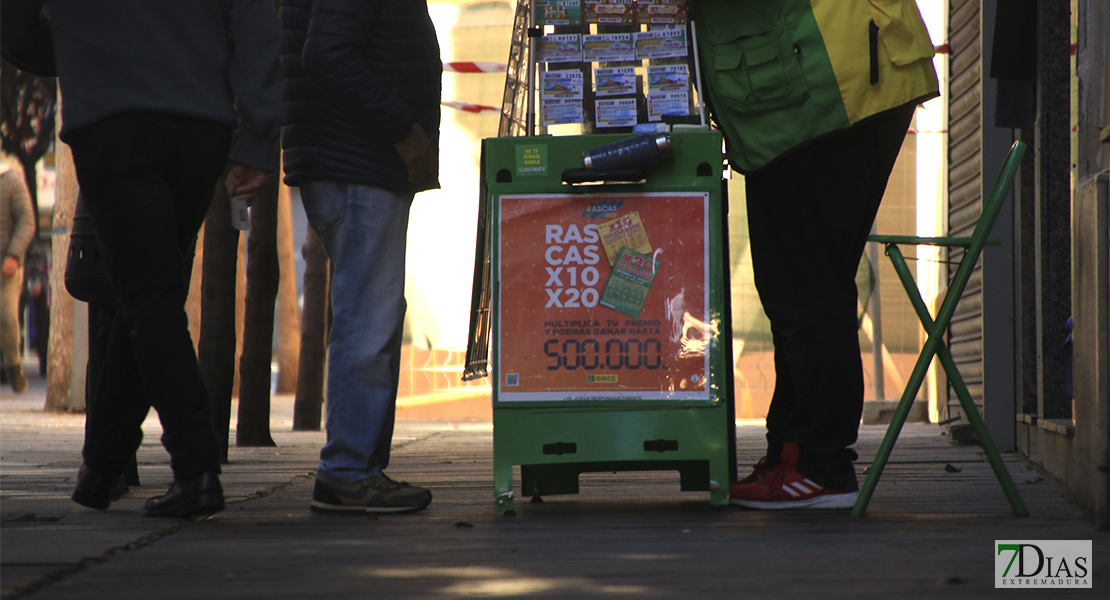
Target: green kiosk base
[
  {"x": 610, "y": 316},
  {"x": 554, "y": 445}
]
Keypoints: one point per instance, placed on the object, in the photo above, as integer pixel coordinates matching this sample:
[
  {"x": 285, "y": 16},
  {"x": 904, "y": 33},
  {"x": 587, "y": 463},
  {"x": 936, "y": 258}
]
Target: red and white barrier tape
[
  {"x": 947, "y": 49},
  {"x": 468, "y": 107},
  {"x": 473, "y": 67}
]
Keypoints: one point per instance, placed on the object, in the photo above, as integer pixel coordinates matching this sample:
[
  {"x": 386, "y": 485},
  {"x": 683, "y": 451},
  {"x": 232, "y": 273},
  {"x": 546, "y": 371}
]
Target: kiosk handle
[{"x": 580, "y": 176}]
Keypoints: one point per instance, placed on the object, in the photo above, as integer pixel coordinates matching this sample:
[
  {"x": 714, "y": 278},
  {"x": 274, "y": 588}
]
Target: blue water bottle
[{"x": 639, "y": 152}]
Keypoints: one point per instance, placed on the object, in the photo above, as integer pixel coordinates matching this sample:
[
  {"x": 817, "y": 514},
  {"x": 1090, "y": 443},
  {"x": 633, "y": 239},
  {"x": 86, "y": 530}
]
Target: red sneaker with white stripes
[
  {"x": 784, "y": 487},
  {"x": 759, "y": 471}
]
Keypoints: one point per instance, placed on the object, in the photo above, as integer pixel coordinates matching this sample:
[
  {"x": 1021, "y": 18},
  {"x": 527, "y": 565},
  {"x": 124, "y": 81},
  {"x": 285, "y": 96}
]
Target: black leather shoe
[
  {"x": 193, "y": 497},
  {"x": 97, "y": 490}
]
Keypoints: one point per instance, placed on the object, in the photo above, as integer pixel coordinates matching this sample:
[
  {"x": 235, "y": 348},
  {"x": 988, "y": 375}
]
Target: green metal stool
[{"x": 935, "y": 345}]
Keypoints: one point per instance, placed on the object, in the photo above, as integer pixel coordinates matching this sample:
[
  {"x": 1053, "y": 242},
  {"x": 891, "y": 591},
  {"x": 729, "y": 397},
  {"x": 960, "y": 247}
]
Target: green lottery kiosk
[{"x": 608, "y": 307}]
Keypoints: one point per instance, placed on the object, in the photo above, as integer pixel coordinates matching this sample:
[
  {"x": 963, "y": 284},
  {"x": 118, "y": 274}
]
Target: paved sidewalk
[{"x": 929, "y": 532}]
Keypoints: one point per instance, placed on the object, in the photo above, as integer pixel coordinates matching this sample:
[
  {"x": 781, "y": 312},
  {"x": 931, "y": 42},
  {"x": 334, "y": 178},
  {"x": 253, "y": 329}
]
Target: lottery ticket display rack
[{"x": 611, "y": 345}]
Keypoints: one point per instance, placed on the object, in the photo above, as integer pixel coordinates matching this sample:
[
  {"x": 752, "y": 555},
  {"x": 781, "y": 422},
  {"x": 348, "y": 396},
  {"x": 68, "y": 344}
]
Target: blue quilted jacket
[{"x": 358, "y": 74}]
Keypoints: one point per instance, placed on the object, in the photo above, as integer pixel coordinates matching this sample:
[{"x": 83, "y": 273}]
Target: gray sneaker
[{"x": 377, "y": 494}]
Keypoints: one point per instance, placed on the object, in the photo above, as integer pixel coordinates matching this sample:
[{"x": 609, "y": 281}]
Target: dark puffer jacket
[{"x": 358, "y": 74}]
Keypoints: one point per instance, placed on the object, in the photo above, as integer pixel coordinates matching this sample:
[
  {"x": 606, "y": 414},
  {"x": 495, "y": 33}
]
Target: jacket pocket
[
  {"x": 902, "y": 31},
  {"x": 759, "y": 73}
]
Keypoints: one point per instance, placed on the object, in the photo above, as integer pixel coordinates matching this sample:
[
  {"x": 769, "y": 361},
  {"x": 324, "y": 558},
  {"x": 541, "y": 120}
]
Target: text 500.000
[{"x": 613, "y": 354}]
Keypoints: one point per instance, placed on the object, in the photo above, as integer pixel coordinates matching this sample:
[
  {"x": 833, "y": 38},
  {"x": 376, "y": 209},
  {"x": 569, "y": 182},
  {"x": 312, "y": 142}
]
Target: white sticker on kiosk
[
  {"x": 562, "y": 84},
  {"x": 615, "y": 81},
  {"x": 667, "y": 104},
  {"x": 608, "y": 47},
  {"x": 668, "y": 79},
  {"x": 609, "y": 11},
  {"x": 661, "y": 12},
  {"x": 561, "y": 112},
  {"x": 661, "y": 43},
  {"x": 560, "y": 48},
  {"x": 559, "y": 12},
  {"x": 620, "y": 112}
]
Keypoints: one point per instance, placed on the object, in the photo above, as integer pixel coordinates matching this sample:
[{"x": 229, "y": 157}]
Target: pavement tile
[{"x": 929, "y": 530}]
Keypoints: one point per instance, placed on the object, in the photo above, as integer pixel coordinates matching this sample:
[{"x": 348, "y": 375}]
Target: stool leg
[
  {"x": 908, "y": 395},
  {"x": 977, "y": 424},
  {"x": 986, "y": 442},
  {"x": 972, "y": 412},
  {"x": 896, "y": 421}
]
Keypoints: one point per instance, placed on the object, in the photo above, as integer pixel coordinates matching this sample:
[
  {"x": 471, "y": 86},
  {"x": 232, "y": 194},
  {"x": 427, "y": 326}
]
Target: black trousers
[
  {"x": 809, "y": 216},
  {"x": 147, "y": 180}
]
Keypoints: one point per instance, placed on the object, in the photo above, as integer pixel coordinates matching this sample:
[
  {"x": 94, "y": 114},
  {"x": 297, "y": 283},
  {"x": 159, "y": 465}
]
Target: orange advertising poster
[{"x": 603, "y": 297}]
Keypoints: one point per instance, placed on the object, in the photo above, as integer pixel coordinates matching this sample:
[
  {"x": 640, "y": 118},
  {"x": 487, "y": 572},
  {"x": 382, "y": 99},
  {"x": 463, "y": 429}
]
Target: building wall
[{"x": 965, "y": 181}]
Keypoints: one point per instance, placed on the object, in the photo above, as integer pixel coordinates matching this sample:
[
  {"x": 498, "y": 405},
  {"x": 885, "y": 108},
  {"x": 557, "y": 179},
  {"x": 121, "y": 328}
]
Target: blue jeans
[{"x": 363, "y": 231}]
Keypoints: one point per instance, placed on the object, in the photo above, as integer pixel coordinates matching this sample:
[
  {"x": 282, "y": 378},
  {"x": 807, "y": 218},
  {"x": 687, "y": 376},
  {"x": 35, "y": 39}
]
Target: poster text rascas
[{"x": 603, "y": 297}]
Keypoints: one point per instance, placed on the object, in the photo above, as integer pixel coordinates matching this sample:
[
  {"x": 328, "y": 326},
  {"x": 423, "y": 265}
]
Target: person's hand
[
  {"x": 243, "y": 181},
  {"x": 416, "y": 152},
  {"x": 11, "y": 265}
]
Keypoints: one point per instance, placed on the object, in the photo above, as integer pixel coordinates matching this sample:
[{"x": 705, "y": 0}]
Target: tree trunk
[
  {"x": 60, "y": 354},
  {"x": 240, "y": 307},
  {"x": 314, "y": 336},
  {"x": 216, "y": 347},
  {"x": 253, "y": 428},
  {"x": 192, "y": 302},
  {"x": 288, "y": 317}
]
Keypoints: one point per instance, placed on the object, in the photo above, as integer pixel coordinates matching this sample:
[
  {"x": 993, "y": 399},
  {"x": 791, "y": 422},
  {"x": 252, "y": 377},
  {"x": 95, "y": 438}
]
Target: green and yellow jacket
[{"x": 781, "y": 73}]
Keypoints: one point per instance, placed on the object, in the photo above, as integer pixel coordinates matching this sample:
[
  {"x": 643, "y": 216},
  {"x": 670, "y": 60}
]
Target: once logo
[{"x": 1042, "y": 563}]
